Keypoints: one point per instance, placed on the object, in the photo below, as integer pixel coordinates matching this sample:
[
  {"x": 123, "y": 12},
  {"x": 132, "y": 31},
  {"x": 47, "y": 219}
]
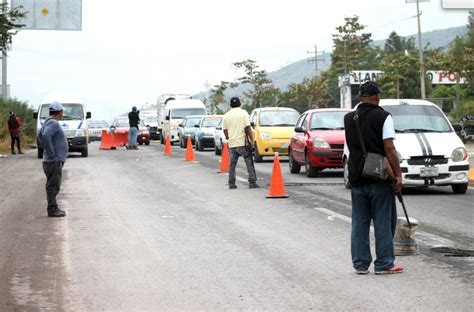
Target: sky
[{"x": 130, "y": 52}]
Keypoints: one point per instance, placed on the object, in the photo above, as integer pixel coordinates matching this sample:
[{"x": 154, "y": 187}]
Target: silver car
[
  {"x": 187, "y": 129},
  {"x": 95, "y": 129}
]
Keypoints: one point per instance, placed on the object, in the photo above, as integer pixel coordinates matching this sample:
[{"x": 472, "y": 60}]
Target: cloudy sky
[{"x": 129, "y": 52}]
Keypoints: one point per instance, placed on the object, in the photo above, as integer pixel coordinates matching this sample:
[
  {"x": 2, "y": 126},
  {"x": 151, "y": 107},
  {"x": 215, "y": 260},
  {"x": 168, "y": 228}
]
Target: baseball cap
[
  {"x": 55, "y": 107},
  {"x": 369, "y": 88},
  {"x": 12, "y": 113},
  {"x": 235, "y": 100}
]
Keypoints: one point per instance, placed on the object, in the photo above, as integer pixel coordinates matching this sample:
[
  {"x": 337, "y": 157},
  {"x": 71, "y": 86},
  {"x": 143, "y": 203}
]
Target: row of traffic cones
[{"x": 277, "y": 186}]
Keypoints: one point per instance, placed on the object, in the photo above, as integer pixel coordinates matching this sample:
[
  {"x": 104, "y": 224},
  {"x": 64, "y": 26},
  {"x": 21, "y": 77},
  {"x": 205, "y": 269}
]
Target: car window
[
  {"x": 278, "y": 118},
  {"x": 418, "y": 118},
  {"x": 191, "y": 122},
  {"x": 305, "y": 122},
  {"x": 210, "y": 122},
  {"x": 72, "y": 111},
  {"x": 181, "y": 113},
  {"x": 327, "y": 120},
  {"x": 300, "y": 120}
]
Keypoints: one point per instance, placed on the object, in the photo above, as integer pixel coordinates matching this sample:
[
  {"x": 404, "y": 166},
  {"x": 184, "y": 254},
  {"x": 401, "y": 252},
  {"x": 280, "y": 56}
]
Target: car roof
[
  {"x": 274, "y": 108},
  {"x": 194, "y": 116},
  {"x": 213, "y": 116},
  {"x": 314, "y": 110},
  {"x": 387, "y": 102}
]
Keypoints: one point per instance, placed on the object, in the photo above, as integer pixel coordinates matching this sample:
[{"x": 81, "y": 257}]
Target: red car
[
  {"x": 318, "y": 141},
  {"x": 121, "y": 125}
]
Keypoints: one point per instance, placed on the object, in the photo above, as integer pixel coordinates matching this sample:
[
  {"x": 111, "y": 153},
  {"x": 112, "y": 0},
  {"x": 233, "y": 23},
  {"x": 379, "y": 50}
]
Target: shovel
[{"x": 400, "y": 199}]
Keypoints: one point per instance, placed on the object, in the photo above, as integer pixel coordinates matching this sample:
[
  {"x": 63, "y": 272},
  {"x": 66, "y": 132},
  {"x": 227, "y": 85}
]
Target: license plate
[
  {"x": 429, "y": 172},
  {"x": 284, "y": 145}
]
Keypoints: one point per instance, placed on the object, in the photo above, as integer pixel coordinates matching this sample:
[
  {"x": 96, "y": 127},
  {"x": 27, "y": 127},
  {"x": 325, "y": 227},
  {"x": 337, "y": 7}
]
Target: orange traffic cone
[
  {"x": 224, "y": 160},
  {"x": 277, "y": 186},
  {"x": 189, "y": 151},
  {"x": 168, "y": 145}
]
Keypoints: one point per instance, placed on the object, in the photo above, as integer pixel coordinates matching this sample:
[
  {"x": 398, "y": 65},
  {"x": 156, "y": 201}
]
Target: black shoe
[
  {"x": 232, "y": 186},
  {"x": 21, "y": 153},
  {"x": 13, "y": 153},
  {"x": 57, "y": 213},
  {"x": 252, "y": 186}
]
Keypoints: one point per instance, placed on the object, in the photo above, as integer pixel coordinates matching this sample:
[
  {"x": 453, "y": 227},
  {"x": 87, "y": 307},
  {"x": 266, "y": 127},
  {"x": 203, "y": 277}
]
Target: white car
[
  {"x": 429, "y": 150},
  {"x": 95, "y": 129},
  {"x": 219, "y": 138}
]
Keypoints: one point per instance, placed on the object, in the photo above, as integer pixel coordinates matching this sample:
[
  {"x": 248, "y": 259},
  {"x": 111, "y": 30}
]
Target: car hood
[
  {"x": 422, "y": 144},
  {"x": 278, "y": 132},
  {"x": 331, "y": 136}
]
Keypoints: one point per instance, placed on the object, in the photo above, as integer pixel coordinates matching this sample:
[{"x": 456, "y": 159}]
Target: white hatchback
[
  {"x": 219, "y": 138},
  {"x": 429, "y": 150}
]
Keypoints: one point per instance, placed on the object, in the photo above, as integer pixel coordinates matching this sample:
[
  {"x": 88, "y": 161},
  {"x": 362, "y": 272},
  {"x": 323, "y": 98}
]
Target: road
[{"x": 146, "y": 231}]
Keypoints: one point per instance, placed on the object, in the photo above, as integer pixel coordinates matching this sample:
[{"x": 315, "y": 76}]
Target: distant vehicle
[
  {"x": 204, "y": 136},
  {"x": 429, "y": 151},
  {"x": 95, "y": 129},
  {"x": 273, "y": 127},
  {"x": 121, "y": 125},
  {"x": 175, "y": 112},
  {"x": 161, "y": 104},
  {"x": 187, "y": 129},
  {"x": 151, "y": 122},
  {"x": 318, "y": 141},
  {"x": 74, "y": 122},
  {"x": 219, "y": 138}
]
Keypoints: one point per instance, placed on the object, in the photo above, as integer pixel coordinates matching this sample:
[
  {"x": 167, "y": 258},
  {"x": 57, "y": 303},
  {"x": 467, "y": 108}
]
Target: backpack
[{"x": 12, "y": 123}]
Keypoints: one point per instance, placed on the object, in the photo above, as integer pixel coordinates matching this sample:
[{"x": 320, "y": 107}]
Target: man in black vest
[{"x": 371, "y": 199}]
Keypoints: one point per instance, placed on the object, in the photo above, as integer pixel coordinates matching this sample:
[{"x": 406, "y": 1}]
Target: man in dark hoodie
[
  {"x": 133, "y": 120},
  {"x": 14, "y": 124}
]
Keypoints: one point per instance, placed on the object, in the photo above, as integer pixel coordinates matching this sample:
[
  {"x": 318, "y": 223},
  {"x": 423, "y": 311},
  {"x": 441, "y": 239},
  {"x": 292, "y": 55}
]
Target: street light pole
[
  {"x": 420, "y": 50},
  {"x": 4, "y": 64}
]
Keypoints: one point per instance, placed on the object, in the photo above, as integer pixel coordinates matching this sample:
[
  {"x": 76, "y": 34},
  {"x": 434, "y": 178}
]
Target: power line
[{"x": 315, "y": 59}]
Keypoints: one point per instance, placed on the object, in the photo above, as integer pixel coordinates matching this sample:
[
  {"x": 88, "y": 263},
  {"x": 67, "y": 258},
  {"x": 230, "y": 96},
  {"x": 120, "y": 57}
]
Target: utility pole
[
  {"x": 315, "y": 59},
  {"x": 420, "y": 50},
  {"x": 4, "y": 63}
]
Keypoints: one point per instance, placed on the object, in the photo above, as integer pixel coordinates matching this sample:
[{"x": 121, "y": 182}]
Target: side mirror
[
  {"x": 180, "y": 125},
  {"x": 88, "y": 115},
  {"x": 35, "y": 115},
  {"x": 457, "y": 127},
  {"x": 299, "y": 130},
  {"x": 218, "y": 128},
  {"x": 196, "y": 126},
  {"x": 167, "y": 117}
]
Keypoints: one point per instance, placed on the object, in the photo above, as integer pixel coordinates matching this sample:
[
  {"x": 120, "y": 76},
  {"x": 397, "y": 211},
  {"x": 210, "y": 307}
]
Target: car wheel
[
  {"x": 257, "y": 157},
  {"x": 40, "y": 152},
  {"x": 347, "y": 183},
  {"x": 184, "y": 144},
  {"x": 147, "y": 142},
  {"x": 162, "y": 139},
  {"x": 311, "y": 171},
  {"x": 199, "y": 145},
  {"x": 294, "y": 166},
  {"x": 459, "y": 188},
  {"x": 85, "y": 152},
  {"x": 217, "y": 151}
]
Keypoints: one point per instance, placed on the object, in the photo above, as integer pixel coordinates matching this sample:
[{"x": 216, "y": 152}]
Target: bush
[{"x": 28, "y": 124}]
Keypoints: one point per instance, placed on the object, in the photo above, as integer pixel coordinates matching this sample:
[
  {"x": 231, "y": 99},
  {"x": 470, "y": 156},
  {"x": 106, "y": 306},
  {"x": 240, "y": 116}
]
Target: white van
[
  {"x": 429, "y": 150},
  {"x": 174, "y": 113},
  {"x": 74, "y": 121}
]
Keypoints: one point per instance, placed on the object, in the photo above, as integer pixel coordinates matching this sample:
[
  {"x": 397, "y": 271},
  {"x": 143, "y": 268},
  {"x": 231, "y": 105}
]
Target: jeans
[
  {"x": 246, "y": 153},
  {"x": 373, "y": 202},
  {"x": 54, "y": 172},
  {"x": 132, "y": 136}
]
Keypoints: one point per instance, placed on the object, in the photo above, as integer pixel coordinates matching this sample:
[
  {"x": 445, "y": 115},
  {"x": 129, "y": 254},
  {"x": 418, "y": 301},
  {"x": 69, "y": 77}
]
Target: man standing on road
[
  {"x": 14, "y": 124},
  {"x": 372, "y": 200},
  {"x": 55, "y": 148},
  {"x": 133, "y": 120},
  {"x": 237, "y": 131}
]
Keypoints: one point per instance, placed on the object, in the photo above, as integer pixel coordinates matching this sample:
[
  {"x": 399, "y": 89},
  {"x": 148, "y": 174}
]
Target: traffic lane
[
  {"x": 437, "y": 209},
  {"x": 173, "y": 236}
]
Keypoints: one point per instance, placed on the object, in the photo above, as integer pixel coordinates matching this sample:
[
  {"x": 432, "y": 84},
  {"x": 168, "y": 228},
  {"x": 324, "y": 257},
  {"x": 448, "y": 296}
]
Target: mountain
[{"x": 297, "y": 71}]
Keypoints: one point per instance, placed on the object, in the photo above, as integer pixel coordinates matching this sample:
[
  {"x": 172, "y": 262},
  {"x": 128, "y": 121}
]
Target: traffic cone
[
  {"x": 189, "y": 151},
  {"x": 224, "y": 160},
  {"x": 168, "y": 145},
  {"x": 277, "y": 186}
]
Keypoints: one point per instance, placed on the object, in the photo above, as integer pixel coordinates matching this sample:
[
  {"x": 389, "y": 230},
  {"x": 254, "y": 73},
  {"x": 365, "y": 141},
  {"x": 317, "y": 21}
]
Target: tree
[
  {"x": 217, "y": 94},
  {"x": 258, "y": 79},
  {"x": 306, "y": 95},
  {"x": 9, "y": 25},
  {"x": 396, "y": 44}
]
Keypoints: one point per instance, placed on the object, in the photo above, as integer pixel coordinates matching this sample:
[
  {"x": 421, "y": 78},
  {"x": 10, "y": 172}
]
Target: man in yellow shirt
[{"x": 239, "y": 134}]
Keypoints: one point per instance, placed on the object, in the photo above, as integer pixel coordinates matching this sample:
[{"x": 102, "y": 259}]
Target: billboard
[
  {"x": 443, "y": 77},
  {"x": 51, "y": 14}
]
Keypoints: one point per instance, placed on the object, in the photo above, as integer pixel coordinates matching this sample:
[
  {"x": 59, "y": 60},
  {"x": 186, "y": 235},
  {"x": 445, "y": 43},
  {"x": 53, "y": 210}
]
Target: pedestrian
[
  {"x": 55, "y": 147},
  {"x": 133, "y": 120},
  {"x": 372, "y": 200},
  {"x": 14, "y": 125},
  {"x": 237, "y": 131}
]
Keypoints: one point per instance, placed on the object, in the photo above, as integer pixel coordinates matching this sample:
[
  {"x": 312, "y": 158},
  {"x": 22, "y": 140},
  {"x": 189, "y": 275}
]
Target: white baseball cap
[{"x": 55, "y": 107}]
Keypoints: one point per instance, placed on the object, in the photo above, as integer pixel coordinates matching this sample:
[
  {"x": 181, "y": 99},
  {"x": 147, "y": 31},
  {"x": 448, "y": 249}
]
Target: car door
[{"x": 299, "y": 139}]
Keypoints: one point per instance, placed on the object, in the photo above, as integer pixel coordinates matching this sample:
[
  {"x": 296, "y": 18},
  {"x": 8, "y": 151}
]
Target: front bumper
[
  {"x": 77, "y": 144},
  {"x": 270, "y": 147},
  {"x": 207, "y": 141},
  {"x": 326, "y": 158},
  {"x": 445, "y": 174},
  {"x": 174, "y": 136}
]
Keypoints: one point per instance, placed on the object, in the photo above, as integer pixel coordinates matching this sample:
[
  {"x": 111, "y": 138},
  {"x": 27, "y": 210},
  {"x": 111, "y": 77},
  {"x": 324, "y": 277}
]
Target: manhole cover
[{"x": 454, "y": 252}]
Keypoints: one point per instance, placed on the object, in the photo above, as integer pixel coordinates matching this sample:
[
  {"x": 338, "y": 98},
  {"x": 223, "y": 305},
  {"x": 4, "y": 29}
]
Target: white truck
[
  {"x": 174, "y": 113},
  {"x": 161, "y": 104},
  {"x": 74, "y": 122}
]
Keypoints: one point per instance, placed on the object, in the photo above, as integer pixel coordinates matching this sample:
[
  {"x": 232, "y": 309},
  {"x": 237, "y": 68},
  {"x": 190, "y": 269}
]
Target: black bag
[
  {"x": 12, "y": 123},
  {"x": 374, "y": 164}
]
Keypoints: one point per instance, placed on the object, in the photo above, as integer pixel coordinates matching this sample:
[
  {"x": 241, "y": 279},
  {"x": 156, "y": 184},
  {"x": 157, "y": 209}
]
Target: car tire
[
  {"x": 256, "y": 156},
  {"x": 199, "y": 145},
  {"x": 311, "y": 171},
  {"x": 347, "y": 183},
  {"x": 162, "y": 139},
  {"x": 85, "y": 152},
  {"x": 147, "y": 142},
  {"x": 217, "y": 151},
  {"x": 40, "y": 152},
  {"x": 459, "y": 188},
  {"x": 294, "y": 166},
  {"x": 184, "y": 143}
]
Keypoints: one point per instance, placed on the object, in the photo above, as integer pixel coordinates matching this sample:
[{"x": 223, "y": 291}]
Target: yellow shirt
[{"x": 235, "y": 122}]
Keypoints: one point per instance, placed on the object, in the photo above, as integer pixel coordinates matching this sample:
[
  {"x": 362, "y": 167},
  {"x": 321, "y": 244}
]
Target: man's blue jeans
[
  {"x": 132, "y": 136},
  {"x": 373, "y": 202},
  {"x": 246, "y": 153}
]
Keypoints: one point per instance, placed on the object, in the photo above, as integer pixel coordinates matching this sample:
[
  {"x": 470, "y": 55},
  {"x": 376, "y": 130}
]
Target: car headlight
[
  {"x": 265, "y": 136},
  {"x": 320, "y": 143},
  {"x": 459, "y": 154},
  {"x": 400, "y": 157},
  {"x": 80, "y": 133}
]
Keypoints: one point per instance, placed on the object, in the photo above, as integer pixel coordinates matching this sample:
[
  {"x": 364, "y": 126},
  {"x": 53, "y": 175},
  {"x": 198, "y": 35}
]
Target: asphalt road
[{"x": 146, "y": 231}]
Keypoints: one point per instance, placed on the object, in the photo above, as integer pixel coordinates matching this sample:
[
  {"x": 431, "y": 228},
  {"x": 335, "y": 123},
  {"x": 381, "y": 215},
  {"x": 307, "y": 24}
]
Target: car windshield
[
  {"x": 151, "y": 119},
  {"x": 191, "y": 122},
  {"x": 123, "y": 123},
  {"x": 328, "y": 120},
  {"x": 72, "y": 111},
  {"x": 97, "y": 124},
  {"x": 210, "y": 122},
  {"x": 278, "y": 118},
  {"x": 181, "y": 113},
  {"x": 417, "y": 118}
]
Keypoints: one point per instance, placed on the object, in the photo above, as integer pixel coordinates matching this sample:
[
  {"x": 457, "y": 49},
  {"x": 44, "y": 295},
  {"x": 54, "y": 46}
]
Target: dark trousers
[
  {"x": 54, "y": 172},
  {"x": 246, "y": 153},
  {"x": 15, "y": 137}
]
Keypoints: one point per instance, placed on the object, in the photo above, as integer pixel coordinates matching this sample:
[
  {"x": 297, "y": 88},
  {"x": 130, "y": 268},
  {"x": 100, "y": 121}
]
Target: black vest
[
  {"x": 371, "y": 120},
  {"x": 133, "y": 119}
]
